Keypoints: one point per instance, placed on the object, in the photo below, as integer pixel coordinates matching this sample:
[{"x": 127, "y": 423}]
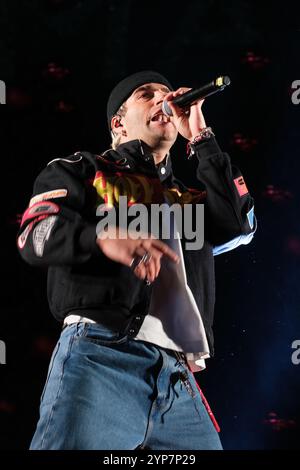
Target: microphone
[{"x": 192, "y": 96}]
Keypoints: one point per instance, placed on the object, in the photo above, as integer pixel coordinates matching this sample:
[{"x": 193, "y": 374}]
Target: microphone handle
[
  {"x": 190, "y": 96},
  {"x": 195, "y": 95}
]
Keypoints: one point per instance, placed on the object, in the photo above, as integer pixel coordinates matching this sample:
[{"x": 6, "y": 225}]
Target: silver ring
[
  {"x": 137, "y": 260},
  {"x": 146, "y": 258}
]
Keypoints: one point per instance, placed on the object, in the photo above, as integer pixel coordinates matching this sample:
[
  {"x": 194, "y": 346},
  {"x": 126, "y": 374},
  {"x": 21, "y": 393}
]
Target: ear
[{"x": 116, "y": 124}]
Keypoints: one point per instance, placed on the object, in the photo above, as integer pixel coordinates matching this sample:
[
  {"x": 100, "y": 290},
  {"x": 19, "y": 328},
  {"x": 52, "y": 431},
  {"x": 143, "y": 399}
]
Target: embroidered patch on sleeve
[
  {"x": 39, "y": 208},
  {"x": 41, "y": 234},
  {"x": 241, "y": 186},
  {"x": 23, "y": 237},
  {"x": 48, "y": 195}
]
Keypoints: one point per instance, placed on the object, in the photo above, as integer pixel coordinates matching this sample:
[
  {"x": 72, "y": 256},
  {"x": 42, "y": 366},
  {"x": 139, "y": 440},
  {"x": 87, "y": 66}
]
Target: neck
[
  {"x": 159, "y": 156},
  {"x": 159, "y": 152}
]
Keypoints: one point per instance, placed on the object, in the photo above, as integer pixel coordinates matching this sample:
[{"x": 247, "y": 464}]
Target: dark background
[{"x": 60, "y": 59}]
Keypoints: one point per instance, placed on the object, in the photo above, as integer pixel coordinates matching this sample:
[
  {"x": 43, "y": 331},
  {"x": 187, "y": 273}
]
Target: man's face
[{"x": 144, "y": 118}]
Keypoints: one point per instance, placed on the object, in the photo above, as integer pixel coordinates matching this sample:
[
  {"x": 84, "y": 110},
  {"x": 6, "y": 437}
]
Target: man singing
[{"x": 136, "y": 307}]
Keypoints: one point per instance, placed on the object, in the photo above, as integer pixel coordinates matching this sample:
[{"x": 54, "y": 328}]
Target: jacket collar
[{"x": 138, "y": 154}]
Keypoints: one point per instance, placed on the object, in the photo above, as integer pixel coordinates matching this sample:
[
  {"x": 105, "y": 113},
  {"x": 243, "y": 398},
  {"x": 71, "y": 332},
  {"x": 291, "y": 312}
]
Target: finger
[
  {"x": 150, "y": 270},
  {"x": 181, "y": 90},
  {"x": 141, "y": 271},
  {"x": 146, "y": 269},
  {"x": 169, "y": 95},
  {"x": 156, "y": 257},
  {"x": 157, "y": 266},
  {"x": 151, "y": 261},
  {"x": 177, "y": 110},
  {"x": 135, "y": 257},
  {"x": 140, "y": 250},
  {"x": 178, "y": 113},
  {"x": 166, "y": 250},
  {"x": 162, "y": 247}
]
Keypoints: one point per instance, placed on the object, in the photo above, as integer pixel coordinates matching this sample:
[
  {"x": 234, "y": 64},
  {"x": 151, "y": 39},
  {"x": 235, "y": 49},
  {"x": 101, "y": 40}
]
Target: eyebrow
[{"x": 149, "y": 87}]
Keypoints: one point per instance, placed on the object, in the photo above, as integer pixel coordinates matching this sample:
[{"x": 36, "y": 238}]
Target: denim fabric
[{"x": 106, "y": 391}]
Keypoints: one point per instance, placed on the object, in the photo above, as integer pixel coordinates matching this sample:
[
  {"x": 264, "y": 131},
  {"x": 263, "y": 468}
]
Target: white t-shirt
[{"x": 174, "y": 321}]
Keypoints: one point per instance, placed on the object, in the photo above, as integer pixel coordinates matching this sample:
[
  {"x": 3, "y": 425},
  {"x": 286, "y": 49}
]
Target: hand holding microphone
[
  {"x": 190, "y": 122},
  {"x": 192, "y": 96}
]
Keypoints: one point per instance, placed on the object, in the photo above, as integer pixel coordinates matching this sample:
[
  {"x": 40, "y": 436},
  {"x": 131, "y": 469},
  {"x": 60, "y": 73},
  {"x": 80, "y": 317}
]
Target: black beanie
[{"x": 123, "y": 89}]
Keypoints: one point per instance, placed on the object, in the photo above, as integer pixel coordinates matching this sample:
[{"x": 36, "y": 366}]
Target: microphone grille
[{"x": 223, "y": 81}]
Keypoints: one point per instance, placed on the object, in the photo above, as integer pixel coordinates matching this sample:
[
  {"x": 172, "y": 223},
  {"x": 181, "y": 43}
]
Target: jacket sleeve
[
  {"x": 54, "y": 230},
  {"x": 229, "y": 208}
]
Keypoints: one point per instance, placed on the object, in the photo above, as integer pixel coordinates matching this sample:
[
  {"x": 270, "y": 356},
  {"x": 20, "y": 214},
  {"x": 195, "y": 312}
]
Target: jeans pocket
[
  {"x": 54, "y": 354},
  {"x": 103, "y": 335}
]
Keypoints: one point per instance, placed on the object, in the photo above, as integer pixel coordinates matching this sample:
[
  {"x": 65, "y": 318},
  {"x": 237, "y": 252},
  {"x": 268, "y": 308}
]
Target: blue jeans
[{"x": 105, "y": 391}]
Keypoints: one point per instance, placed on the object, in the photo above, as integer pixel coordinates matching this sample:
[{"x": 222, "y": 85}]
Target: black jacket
[{"x": 58, "y": 229}]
